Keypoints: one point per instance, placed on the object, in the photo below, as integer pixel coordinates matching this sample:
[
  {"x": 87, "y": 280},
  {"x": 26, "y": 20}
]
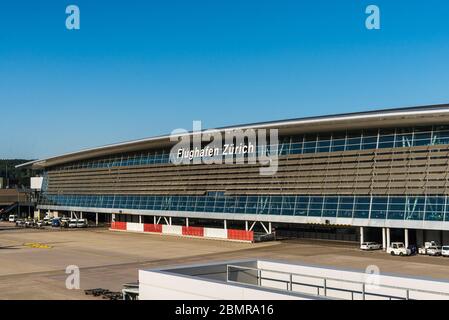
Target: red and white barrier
[
  {"x": 198, "y": 232},
  {"x": 118, "y": 225},
  {"x": 216, "y": 233},
  {"x": 176, "y": 230},
  {"x": 132, "y": 226},
  {"x": 193, "y": 231},
  {"x": 154, "y": 228},
  {"x": 240, "y": 235}
]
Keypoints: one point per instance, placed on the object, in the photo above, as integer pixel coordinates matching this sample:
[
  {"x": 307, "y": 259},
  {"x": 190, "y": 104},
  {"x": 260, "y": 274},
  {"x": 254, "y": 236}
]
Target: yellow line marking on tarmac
[{"x": 37, "y": 245}]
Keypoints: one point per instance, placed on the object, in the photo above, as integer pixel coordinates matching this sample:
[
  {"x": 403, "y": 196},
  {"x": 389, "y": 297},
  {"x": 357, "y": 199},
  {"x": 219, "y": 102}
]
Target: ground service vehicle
[
  {"x": 398, "y": 249},
  {"x": 434, "y": 251},
  {"x": 428, "y": 244}
]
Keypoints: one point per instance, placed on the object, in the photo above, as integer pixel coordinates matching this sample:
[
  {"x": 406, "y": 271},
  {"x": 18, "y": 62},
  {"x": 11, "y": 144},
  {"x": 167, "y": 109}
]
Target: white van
[
  {"x": 13, "y": 218},
  {"x": 370, "y": 246},
  {"x": 445, "y": 251},
  {"x": 72, "y": 223}
]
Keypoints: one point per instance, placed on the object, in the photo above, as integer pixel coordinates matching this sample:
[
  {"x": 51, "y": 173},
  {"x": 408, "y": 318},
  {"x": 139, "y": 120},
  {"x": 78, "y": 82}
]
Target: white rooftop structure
[{"x": 272, "y": 280}]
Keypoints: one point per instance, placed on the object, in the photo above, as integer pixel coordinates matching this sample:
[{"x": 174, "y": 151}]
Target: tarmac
[{"x": 33, "y": 262}]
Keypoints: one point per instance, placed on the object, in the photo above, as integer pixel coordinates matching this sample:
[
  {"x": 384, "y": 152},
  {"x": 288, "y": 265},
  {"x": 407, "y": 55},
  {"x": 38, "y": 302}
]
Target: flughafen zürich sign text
[{"x": 231, "y": 146}]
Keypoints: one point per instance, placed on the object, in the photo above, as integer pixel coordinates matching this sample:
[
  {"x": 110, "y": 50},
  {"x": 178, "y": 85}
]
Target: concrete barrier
[
  {"x": 167, "y": 229},
  {"x": 117, "y": 225},
  {"x": 193, "y": 231},
  {"x": 242, "y": 235},
  {"x": 216, "y": 233},
  {"x": 200, "y": 232},
  {"x": 135, "y": 227},
  {"x": 156, "y": 228}
]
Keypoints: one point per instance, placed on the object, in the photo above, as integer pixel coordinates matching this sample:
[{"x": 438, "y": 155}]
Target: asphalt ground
[{"x": 33, "y": 262}]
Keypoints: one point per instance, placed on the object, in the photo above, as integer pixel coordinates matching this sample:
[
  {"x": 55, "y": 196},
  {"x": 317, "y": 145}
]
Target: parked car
[
  {"x": 13, "y": 218},
  {"x": 370, "y": 246},
  {"x": 29, "y": 223},
  {"x": 56, "y": 222},
  {"x": 81, "y": 223},
  {"x": 445, "y": 251},
  {"x": 398, "y": 249},
  {"x": 427, "y": 245},
  {"x": 40, "y": 224},
  {"x": 20, "y": 223},
  {"x": 73, "y": 223},
  {"x": 413, "y": 249},
  {"x": 65, "y": 222},
  {"x": 47, "y": 221},
  {"x": 434, "y": 251}
]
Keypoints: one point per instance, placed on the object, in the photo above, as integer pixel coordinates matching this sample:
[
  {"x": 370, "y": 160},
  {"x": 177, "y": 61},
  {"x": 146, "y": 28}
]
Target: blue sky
[{"x": 141, "y": 68}]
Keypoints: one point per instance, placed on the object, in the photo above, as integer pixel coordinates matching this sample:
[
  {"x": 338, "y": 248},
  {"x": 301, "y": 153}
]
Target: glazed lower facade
[{"x": 417, "y": 208}]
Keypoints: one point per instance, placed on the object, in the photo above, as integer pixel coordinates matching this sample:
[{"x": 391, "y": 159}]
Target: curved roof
[{"x": 411, "y": 116}]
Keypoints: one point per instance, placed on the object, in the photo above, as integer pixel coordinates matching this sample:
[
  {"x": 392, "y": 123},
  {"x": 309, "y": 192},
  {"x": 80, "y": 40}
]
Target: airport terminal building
[{"x": 369, "y": 176}]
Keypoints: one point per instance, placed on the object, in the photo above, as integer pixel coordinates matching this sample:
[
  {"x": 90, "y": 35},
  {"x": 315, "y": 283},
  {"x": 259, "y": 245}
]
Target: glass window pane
[
  {"x": 396, "y": 208},
  {"x": 310, "y": 144},
  {"x": 435, "y": 208},
  {"x": 302, "y": 206},
  {"x": 386, "y": 138},
  {"x": 315, "y": 207},
  {"x": 338, "y": 142},
  {"x": 324, "y": 143},
  {"x": 330, "y": 206},
  {"x": 361, "y": 209},
  {"x": 414, "y": 208},
  {"x": 369, "y": 140},
  {"x": 276, "y": 205},
  {"x": 345, "y": 207},
  {"x": 353, "y": 140},
  {"x": 288, "y": 205},
  {"x": 379, "y": 208}
]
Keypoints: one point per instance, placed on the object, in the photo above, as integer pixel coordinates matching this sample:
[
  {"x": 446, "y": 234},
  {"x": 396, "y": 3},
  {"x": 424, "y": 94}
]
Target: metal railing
[{"x": 324, "y": 287}]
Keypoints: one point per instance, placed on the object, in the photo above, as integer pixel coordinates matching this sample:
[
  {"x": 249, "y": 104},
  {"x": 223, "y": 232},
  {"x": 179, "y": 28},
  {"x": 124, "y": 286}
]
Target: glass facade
[
  {"x": 430, "y": 208},
  {"x": 302, "y": 144}
]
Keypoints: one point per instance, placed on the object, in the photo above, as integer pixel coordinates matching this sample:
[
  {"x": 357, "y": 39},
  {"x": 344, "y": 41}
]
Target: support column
[
  {"x": 169, "y": 220},
  {"x": 140, "y": 219},
  {"x": 154, "y": 219},
  {"x": 361, "y": 235},
  {"x": 96, "y": 218},
  {"x": 113, "y": 217},
  {"x": 406, "y": 237},
  {"x": 225, "y": 224},
  {"x": 388, "y": 237},
  {"x": 384, "y": 240},
  {"x": 269, "y": 228},
  {"x": 246, "y": 225},
  {"x": 71, "y": 214},
  {"x": 81, "y": 215},
  {"x": 187, "y": 222}
]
